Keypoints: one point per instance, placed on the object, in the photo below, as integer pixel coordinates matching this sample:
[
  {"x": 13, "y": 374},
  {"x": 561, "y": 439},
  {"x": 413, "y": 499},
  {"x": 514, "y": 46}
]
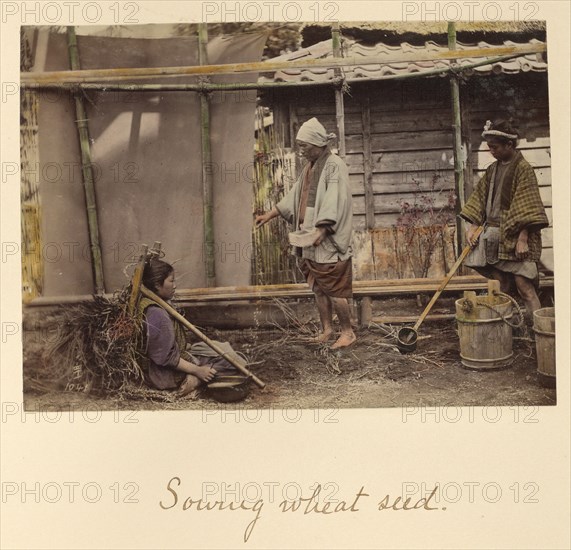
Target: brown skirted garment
[{"x": 335, "y": 280}]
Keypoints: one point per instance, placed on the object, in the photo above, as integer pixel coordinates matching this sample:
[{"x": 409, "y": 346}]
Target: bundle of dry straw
[{"x": 97, "y": 346}]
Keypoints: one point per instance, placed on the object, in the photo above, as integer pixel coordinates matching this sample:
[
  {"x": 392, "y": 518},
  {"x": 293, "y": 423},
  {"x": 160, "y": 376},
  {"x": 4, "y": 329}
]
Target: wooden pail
[
  {"x": 544, "y": 328},
  {"x": 485, "y": 338}
]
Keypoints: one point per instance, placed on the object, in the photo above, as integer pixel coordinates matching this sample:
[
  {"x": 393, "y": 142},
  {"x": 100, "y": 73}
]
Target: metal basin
[{"x": 229, "y": 388}]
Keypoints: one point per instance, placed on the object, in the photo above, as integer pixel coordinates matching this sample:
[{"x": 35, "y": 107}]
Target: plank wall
[
  {"x": 399, "y": 145},
  {"x": 397, "y": 139}
]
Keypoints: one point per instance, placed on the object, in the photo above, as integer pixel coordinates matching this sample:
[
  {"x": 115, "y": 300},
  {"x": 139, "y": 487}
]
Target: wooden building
[
  {"x": 398, "y": 124},
  {"x": 408, "y": 114}
]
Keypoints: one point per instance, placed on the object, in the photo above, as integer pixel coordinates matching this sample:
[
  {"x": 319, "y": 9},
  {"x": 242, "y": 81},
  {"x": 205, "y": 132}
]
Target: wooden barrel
[
  {"x": 485, "y": 338},
  {"x": 544, "y": 328}
]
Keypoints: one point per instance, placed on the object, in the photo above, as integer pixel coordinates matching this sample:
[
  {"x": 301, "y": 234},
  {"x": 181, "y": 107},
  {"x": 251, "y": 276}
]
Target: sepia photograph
[
  {"x": 346, "y": 214},
  {"x": 285, "y": 274}
]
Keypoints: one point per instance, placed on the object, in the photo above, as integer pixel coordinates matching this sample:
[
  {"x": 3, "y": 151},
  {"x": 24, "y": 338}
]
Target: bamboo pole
[
  {"x": 202, "y": 87},
  {"x": 87, "y": 171},
  {"x": 32, "y": 261},
  {"x": 207, "y": 180},
  {"x": 110, "y": 75},
  {"x": 457, "y": 126},
  {"x": 107, "y": 87},
  {"x": 339, "y": 102}
]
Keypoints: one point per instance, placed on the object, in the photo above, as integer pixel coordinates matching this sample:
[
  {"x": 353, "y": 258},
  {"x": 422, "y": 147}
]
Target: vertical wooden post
[
  {"x": 207, "y": 182},
  {"x": 367, "y": 163},
  {"x": 457, "y": 126},
  {"x": 86, "y": 169},
  {"x": 339, "y": 103},
  {"x": 366, "y": 311},
  {"x": 465, "y": 106},
  {"x": 293, "y": 128},
  {"x": 293, "y": 121}
]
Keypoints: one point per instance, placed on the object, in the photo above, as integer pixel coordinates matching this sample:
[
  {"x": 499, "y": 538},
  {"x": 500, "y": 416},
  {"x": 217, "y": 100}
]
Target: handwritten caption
[{"x": 323, "y": 499}]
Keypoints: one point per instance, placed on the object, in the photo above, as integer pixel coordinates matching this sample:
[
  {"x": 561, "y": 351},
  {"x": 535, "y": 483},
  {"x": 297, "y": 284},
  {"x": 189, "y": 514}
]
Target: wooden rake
[{"x": 139, "y": 289}]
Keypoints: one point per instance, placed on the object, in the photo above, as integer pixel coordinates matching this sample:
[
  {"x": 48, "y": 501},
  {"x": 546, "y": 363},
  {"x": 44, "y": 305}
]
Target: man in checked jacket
[{"x": 507, "y": 201}]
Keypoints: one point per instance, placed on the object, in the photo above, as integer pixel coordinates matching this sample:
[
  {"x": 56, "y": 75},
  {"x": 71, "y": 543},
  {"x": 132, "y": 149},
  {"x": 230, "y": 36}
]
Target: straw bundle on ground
[{"x": 97, "y": 347}]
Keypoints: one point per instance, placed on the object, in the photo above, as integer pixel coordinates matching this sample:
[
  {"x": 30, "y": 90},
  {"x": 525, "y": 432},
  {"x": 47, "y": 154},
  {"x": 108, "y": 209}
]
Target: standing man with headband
[
  {"x": 321, "y": 200},
  {"x": 507, "y": 201}
]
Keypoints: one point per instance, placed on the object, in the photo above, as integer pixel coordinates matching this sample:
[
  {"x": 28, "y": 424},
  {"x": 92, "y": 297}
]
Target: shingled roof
[{"x": 322, "y": 50}]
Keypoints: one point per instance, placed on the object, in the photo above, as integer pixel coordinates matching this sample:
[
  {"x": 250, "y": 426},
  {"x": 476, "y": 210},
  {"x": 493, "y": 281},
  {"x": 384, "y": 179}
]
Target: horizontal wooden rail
[
  {"x": 386, "y": 287},
  {"x": 231, "y": 86},
  {"x": 116, "y": 75},
  {"x": 360, "y": 289}
]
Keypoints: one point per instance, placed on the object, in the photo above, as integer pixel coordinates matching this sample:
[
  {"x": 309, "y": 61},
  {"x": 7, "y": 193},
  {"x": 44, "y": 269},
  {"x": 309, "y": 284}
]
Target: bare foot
[
  {"x": 346, "y": 339},
  {"x": 324, "y": 336},
  {"x": 189, "y": 385}
]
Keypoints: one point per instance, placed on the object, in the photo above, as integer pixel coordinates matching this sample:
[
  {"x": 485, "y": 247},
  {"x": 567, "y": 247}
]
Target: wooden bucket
[
  {"x": 485, "y": 338},
  {"x": 544, "y": 328}
]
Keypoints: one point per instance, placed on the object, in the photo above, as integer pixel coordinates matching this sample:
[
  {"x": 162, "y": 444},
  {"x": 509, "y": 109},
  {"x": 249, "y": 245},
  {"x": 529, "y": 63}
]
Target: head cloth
[{"x": 313, "y": 132}]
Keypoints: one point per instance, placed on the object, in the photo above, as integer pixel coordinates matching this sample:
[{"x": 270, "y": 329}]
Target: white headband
[{"x": 488, "y": 132}]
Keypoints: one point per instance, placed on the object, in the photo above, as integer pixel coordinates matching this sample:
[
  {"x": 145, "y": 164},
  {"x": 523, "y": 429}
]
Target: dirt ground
[{"x": 302, "y": 374}]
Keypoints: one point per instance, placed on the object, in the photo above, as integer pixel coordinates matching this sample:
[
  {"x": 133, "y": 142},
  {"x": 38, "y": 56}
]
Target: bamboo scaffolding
[
  {"x": 457, "y": 127},
  {"x": 87, "y": 171},
  {"x": 45, "y": 80},
  {"x": 204, "y": 87},
  {"x": 207, "y": 181},
  {"x": 111, "y": 75},
  {"x": 339, "y": 102}
]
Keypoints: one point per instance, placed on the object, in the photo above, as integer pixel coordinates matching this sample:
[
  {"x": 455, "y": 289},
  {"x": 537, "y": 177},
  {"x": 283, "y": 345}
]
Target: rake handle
[{"x": 446, "y": 279}]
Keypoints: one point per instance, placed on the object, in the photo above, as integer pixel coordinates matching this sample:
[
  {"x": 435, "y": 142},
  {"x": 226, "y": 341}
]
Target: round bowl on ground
[
  {"x": 228, "y": 388},
  {"x": 406, "y": 339}
]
